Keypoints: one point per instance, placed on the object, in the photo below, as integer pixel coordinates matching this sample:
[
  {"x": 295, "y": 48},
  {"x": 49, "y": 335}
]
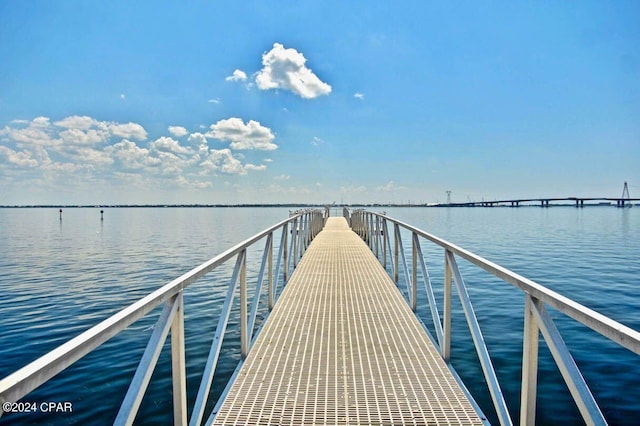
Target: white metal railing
[
  {"x": 301, "y": 227},
  {"x": 373, "y": 228}
]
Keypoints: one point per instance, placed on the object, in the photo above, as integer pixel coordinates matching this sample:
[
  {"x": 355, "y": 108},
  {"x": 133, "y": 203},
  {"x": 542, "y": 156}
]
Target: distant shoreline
[
  {"x": 286, "y": 205},
  {"x": 118, "y": 206}
]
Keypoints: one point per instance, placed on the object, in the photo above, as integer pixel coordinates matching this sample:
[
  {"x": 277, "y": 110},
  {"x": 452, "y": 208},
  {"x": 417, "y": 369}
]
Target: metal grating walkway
[{"x": 342, "y": 347}]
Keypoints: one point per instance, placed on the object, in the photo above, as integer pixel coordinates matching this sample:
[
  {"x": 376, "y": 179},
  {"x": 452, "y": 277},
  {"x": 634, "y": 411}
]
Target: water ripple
[{"x": 57, "y": 279}]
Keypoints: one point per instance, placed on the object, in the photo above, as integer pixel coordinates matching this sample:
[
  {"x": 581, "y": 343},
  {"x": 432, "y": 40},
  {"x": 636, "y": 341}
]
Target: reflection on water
[
  {"x": 58, "y": 278},
  {"x": 590, "y": 255}
]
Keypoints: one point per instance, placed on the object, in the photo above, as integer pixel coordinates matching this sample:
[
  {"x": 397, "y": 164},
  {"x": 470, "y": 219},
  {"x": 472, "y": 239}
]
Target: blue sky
[{"x": 264, "y": 101}]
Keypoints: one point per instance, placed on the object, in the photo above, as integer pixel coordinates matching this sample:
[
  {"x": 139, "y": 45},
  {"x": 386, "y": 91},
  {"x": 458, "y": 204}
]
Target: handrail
[
  {"x": 304, "y": 226},
  {"x": 370, "y": 225}
]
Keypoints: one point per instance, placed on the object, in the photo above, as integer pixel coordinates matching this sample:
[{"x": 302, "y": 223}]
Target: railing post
[
  {"x": 373, "y": 232},
  {"x": 294, "y": 236},
  {"x": 301, "y": 232},
  {"x": 178, "y": 365},
  {"x": 488, "y": 370},
  {"x": 377, "y": 236},
  {"x": 405, "y": 268},
  {"x": 446, "y": 326},
  {"x": 396, "y": 250},
  {"x": 305, "y": 235},
  {"x": 314, "y": 227},
  {"x": 431, "y": 299},
  {"x": 270, "y": 279},
  {"x": 572, "y": 376},
  {"x": 414, "y": 271},
  {"x": 244, "y": 332},
  {"x": 273, "y": 288},
  {"x": 129, "y": 408},
  {"x": 304, "y": 240},
  {"x": 385, "y": 229},
  {"x": 216, "y": 345},
  {"x": 529, "y": 365},
  {"x": 285, "y": 245},
  {"x": 365, "y": 227},
  {"x": 257, "y": 292}
]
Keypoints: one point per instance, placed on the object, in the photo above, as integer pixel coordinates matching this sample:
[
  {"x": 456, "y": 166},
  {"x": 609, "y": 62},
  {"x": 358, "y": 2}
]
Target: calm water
[{"x": 59, "y": 278}]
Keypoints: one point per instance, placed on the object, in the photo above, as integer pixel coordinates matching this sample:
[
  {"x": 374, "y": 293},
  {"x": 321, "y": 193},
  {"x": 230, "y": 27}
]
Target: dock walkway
[{"x": 342, "y": 347}]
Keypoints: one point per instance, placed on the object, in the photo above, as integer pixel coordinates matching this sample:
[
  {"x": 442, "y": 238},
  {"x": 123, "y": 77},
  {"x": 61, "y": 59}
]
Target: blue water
[{"x": 58, "y": 278}]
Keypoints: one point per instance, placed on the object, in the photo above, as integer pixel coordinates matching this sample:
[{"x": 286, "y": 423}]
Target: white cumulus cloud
[
  {"x": 132, "y": 156},
  {"x": 238, "y": 75},
  {"x": 128, "y": 131},
  {"x": 78, "y": 147},
  {"x": 178, "y": 131},
  {"x": 83, "y": 137},
  {"x": 21, "y": 159},
  {"x": 77, "y": 122},
  {"x": 41, "y": 122},
  {"x": 37, "y": 132},
  {"x": 250, "y": 166},
  {"x": 108, "y": 129},
  {"x": 165, "y": 143},
  {"x": 251, "y": 135},
  {"x": 224, "y": 161},
  {"x": 197, "y": 139},
  {"x": 286, "y": 69}
]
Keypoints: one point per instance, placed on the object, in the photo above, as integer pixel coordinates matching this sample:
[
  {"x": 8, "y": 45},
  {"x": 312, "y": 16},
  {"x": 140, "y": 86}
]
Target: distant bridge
[{"x": 546, "y": 202}]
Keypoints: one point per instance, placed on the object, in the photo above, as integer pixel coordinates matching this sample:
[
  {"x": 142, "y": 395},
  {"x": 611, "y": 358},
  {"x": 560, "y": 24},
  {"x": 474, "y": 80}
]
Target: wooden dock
[{"x": 342, "y": 347}]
